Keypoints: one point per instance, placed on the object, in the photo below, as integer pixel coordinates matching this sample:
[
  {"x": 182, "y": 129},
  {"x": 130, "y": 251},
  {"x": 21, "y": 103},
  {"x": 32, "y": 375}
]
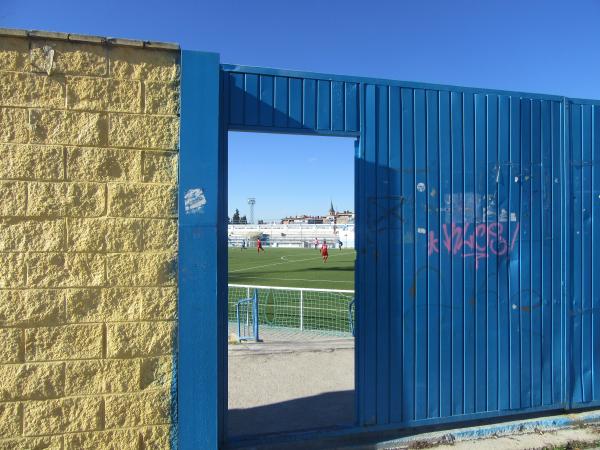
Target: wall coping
[{"x": 73, "y": 37}]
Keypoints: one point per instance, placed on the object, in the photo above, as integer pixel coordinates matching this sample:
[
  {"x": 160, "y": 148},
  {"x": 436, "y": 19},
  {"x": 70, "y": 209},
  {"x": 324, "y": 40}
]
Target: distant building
[{"x": 333, "y": 217}]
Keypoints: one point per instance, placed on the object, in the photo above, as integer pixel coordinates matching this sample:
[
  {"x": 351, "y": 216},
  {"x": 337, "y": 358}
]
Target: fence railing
[{"x": 326, "y": 310}]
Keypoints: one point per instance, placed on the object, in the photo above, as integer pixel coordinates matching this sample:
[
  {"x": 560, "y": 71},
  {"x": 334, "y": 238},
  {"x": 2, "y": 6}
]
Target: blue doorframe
[{"x": 457, "y": 327}]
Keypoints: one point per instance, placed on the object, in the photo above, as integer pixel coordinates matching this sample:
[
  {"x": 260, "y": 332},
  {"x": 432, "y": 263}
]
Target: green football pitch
[
  {"x": 292, "y": 267},
  {"x": 295, "y": 268}
]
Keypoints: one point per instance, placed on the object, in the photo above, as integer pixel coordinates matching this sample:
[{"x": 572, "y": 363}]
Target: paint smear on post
[{"x": 194, "y": 201}]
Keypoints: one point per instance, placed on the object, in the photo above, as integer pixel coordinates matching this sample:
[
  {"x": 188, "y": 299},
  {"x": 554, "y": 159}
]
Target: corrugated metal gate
[{"x": 477, "y": 239}]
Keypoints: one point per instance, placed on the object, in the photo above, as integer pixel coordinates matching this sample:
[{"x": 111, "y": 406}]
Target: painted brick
[
  {"x": 63, "y": 342},
  {"x": 68, "y": 127},
  {"x": 142, "y": 269},
  {"x": 66, "y": 199},
  {"x": 68, "y": 58},
  {"x": 31, "y": 307},
  {"x": 14, "y": 54},
  {"x": 19, "y": 234},
  {"x": 13, "y": 270},
  {"x": 31, "y": 162},
  {"x": 31, "y": 381},
  {"x": 32, "y": 90},
  {"x": 103, "y": 94},
  {"x": 62, "y": 416},
  {"x": 138, "y": 200},
  {"x": 10, "y": 420},
  {"x": 160, "y": 234},
  {"x": 102, "y": 376},
  {"x": 161, "y": 98},
  {"x": 105, "y": 440},
  {"x": 157, "y": 372},
  {"x": 105, "y": 234},
  {"x": 36, "y": 443},
  {"x": 159, "y": 167},
  {"x": 13, "y": 198},
  {"x": 156, "y": 438},
  {"x": 143, "y": 131},
  {"x": 14, "y": 125},
  {"x": 98, "y": 305},
  {"x": 144, "y": 408},
  {"x": 98, "y": 164},
  {"x": 11, "y": 350},
  {"x": 152, "y": 65},
  {"x": 65, "y": 269},
  {"x": 158, "y": 303},
  {"x": 127, "y": 340}
]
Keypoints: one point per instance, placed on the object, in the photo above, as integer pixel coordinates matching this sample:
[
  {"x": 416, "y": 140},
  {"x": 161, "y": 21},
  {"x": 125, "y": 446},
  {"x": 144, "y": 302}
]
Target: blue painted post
[
  {"x": 255, "y": 314},
  {"x": 201, "y": 330}
]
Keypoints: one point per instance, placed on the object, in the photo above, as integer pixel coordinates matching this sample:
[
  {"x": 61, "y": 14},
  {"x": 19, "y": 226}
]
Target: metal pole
[
  {"x": 255, "y": 306},
  {"x": 301, "y": 310}
]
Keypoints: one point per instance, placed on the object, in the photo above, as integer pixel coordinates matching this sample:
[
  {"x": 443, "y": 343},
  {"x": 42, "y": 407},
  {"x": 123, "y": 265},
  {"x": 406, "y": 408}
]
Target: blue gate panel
[
  {"x": 462, "y": 254},
  {"x": 583, "y": 297},
  {"x": 291, "y": 104}
]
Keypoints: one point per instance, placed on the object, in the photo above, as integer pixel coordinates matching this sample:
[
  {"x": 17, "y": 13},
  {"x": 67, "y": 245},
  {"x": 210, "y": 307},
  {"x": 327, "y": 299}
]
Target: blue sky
[{"x": 534, "y": 46}]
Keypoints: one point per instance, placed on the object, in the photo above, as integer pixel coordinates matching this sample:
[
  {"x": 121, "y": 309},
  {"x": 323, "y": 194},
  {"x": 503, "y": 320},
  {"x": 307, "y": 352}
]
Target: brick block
[
  {"x": 143, "y": 131},
  {"x": 31, "y": 162},
  {"x": 158, "y": 303},
  {"x": 102, "y": 377},
  {"x": 105, "y": 234},
  {"x": 159, "y": 167},
  {"x": 62, "y": 416},
  {"x": 14, "y": 54},
  {"x": 31, "y": 90},
  {"x": 103, "y": 94},
  {"x": 127, "y": 340},
  {"x": 13, "y": 270},
  {"x": 13, "y": 198},
  {"x": 138, "y": 200},
  {"x": 10, "y": 420},
  {"x": 157, "y": 372},
  {"x": 144, "y": 64},
  {"x": 36, "y": 443},
  {"x": 105, "y": 440},
  {"x": 66, "y": 199},
  {"x": 97, "y": 164},
  {"x": 144, "y": 408},
  {"x": 161, "y": 98},
  {"x": 103, "y": 305},
  {"x": 31, "y": 307},
  {"x": 20, "y": 235},
  {"x": 14, "y": 125},
  {"x": 156, "y": 438},
  {"x": 11, "y": 350},
  {"x": 31, "y": 381},
  {"x": 160, "y": 234},
  {"x": 68, "y": 127},
  {"x": 142, "y": 269},
  {"x": 68, "y": 58},
  {"x": 65, "y": 269},
  {"x": 63, "y": 342}
]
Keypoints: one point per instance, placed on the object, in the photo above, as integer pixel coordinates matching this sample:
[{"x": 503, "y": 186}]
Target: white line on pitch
[
  {"x": 294, "y": 279},
  {"x": 274, "y": 264}
]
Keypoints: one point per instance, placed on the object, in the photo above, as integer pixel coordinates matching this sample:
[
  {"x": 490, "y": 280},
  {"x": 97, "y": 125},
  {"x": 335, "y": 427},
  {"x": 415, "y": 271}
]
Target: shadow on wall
[{"x": 319, "y": 411}]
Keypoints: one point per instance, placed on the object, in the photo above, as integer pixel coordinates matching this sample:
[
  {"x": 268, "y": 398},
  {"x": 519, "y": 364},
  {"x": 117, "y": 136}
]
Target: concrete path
[{"x": 279, "y": 386}]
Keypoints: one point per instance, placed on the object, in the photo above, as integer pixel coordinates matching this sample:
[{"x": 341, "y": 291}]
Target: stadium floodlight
[{"x": 252, "y": 202}]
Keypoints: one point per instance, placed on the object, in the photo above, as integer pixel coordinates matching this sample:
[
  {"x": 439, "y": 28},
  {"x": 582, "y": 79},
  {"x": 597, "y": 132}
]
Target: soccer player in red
[
  {"x": 259, "y": 246},
  {"x": 324, "y": 251}
]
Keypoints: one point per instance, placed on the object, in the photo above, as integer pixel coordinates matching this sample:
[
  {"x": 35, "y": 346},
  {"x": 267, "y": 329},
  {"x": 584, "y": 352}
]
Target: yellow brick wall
[{"x": 88, "y": 241}]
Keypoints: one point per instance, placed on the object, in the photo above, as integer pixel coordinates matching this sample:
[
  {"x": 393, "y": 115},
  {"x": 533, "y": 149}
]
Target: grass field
[
  {"x": 292, "y": 267},
  {"x": 295, "y": 268}
]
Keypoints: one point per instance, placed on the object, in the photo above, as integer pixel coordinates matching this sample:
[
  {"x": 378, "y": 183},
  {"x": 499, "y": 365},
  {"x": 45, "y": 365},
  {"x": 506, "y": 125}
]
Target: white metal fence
[{"x": 324, "y": 310}]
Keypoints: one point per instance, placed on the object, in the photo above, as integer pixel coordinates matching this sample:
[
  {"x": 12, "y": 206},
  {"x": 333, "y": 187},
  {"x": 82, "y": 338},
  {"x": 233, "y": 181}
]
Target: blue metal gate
[{"x": 477, "y": 240}]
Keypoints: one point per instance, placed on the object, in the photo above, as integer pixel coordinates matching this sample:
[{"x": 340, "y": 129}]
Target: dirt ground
[{"x": 278, "y": 386}]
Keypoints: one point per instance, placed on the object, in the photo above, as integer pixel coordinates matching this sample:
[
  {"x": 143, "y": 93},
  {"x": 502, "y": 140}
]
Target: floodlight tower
[{"x": 251, "y": 202}]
